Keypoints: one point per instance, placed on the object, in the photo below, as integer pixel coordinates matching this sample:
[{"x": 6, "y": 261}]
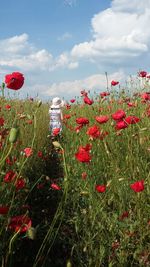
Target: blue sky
[{"x": 62, "y": 46}]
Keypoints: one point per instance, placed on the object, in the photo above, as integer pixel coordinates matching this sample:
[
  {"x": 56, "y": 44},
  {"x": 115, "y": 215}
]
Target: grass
[{"x": 77, "y": 223}]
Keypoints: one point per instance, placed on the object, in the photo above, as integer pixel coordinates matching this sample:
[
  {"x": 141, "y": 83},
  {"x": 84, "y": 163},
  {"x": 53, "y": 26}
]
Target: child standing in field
[{"x": 56, "y": 116}]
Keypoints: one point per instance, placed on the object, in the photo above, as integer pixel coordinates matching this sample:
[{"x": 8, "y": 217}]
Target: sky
[{"x": 65, "y": 46}]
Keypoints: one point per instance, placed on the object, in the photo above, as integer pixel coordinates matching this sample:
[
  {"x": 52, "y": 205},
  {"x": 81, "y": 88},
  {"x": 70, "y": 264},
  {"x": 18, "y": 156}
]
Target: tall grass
[
  {"x": 93, "y": 228},
  {"x": 110, "y": 228}
]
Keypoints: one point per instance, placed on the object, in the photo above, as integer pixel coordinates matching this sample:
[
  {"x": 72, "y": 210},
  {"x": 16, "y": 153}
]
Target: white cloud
[
  {"x": 14, "y": 45},
  {"x": 70, "y": 2},
  {"x": 73, "y": 88},
  {"x": 19, "y": 53},
  {"x": 65, "y": 36},
  {"x": 131, "y": 6},
  {"x": 118, "y": 33},
  {"x": 63, "y": 61},
  {"x": 73, "y": 65},
  {"x": 35, "y": 61}
]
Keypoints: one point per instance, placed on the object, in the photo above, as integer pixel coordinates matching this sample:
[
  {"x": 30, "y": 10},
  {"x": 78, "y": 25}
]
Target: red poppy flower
[
  {"x": 40, "y": 154},
  {"x": 121, "y": 125},
  {"x": 102, "y": 119},
  {"x": 82, "y": 121},
  {"x": 132, "y": 119},
  {"x": 8, "y": 107},
  {"x": 55, "y": 186},
  {"x": 67, "y": 116},
  {"x": 20, "y": 223},
  {"x": 100, "y": 188},
  {"x": 4, "y": 210},
  {"x": 130, "y": 104},
  {"x": 9, "y": 176},
  {"x": 29, "y": 122},
  {"x": 56, "y": 131},
  {"x": 83, "y": 93},
  {"x": 93, "y": 131},
  {"x": 114, "y": 83},
  {"x": 9, "y": 161},
  {"x": 115, "y": 245},
  {"x": 2, "y": 121},
  {"x": 124, "y": 215},
  {"x": 72, "y": 100},
  {"x": 68, "y": 106},
  {"x": 119, "y": 114},
  {"x": 20, "y": 183},
  {"x": 104, "y": 94},
  {"x": 137, "y": 186},
  {"x": 87, "y": 100},
  {"x": 83, "y": 154},
  {"x": 86, "y": 148},
  {"x": 84, "y": 175},
  {"x": 145, "y": 96},
  {"x": 40, "y": 186},
  {"x": 78, "y": 128},
  {"x": 14, "y": 81},
  {"x": 142, "y": 74},
  {"x": 28, "y": 151}
]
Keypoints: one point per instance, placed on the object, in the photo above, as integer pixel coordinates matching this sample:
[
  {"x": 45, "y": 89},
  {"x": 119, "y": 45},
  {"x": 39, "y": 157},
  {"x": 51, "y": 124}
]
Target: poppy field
[{"x": 82, "y": 198}]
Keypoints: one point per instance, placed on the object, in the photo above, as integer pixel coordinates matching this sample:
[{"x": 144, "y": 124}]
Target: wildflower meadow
[{"x": 82, "y": 198}]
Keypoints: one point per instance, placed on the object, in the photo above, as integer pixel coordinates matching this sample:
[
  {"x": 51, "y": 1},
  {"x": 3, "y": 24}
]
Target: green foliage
[{"x": 85, "y": 227}]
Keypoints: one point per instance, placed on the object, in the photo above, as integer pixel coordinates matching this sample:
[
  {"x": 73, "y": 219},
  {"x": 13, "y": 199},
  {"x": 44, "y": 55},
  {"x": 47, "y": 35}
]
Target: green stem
[
  {"x": 65, "y": 166},
  {"x": 33, "y": 188},
  {"x": 12, "y": 240},
  {"x": 9, "y": 151},
  {"x": 2, "y": 89},
  {"x": 107, "y": 80}
]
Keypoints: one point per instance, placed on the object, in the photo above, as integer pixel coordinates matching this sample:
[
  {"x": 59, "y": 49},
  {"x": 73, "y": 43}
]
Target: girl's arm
[{"x": 61, "y": 115}]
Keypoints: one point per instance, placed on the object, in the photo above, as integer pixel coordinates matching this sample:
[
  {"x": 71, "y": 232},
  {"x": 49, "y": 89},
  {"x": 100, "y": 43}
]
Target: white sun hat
[{"x": 56, "y": 102}]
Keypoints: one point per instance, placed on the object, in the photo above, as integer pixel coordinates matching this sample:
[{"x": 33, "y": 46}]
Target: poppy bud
[
  {"x": 29, "y": 117},
  {"x": 143, "y": 129},
  {"x": 142, "y": 141},
  {"x": 56, "y": 144},
  {"x": 31, "y": 233},
  {"x": 39, "y": 103},
  {"x": 13, "y": 135},
  {"x": 3, "y": 86},
  {"x": 84, "y": 193},
  {"x": 69, "y": 264}
]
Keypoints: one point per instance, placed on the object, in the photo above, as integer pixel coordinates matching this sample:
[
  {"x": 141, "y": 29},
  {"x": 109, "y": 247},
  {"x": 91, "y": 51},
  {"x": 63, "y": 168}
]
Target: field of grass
[{"x": 82, "y": 199}]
